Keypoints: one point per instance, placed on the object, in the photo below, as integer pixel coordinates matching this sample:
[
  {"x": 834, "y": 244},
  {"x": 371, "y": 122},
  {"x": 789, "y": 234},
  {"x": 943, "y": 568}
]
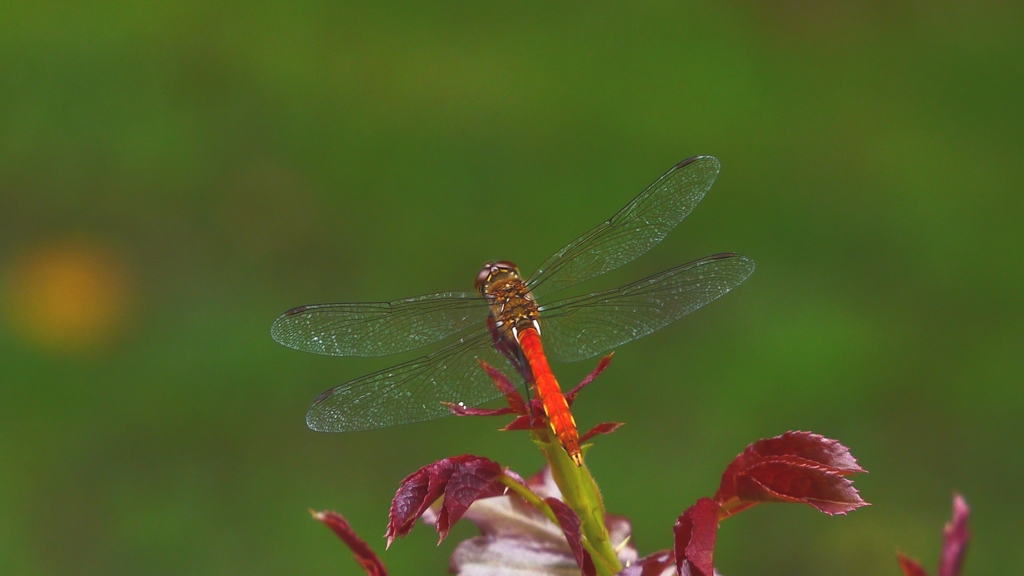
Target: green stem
[
  {"x": 545, "y": 509},
  {"x": 529, "y": 496},
  {"x": 580, "y": 492},
  {"x": 540, "y": 504}
]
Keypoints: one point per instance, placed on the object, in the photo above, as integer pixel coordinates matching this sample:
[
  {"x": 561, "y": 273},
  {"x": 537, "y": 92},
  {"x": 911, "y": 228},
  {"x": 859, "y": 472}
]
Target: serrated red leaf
[
  {"x": 364, "y": 555},
  {"x": 658, "y": 564},
  {"x": 909, "y": 566},
  {"x": 794, "y": 467},
  {"x": 421, "y": 488},
  {"x": 695, "y": 532},
  {"x": 602, "y": 428},
  {"x": 790, "y": 479},
  {"x": 810, "y": 446},
  {"x": 601, "y": 365},
  {"x": 415, "y": 493},
  {"x": 473, "y": 480},
  {"x": 569, "y": 522},
  {"x": 955, "y": 539}
]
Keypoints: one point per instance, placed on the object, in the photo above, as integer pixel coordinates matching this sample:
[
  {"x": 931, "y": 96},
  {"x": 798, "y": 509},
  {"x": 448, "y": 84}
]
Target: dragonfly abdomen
[{"x": 555, "y": 406}]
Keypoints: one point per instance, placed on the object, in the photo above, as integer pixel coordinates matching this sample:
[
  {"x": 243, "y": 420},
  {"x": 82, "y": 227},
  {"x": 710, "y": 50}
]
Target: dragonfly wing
[
  {"x": 632, "y": 231},
  {"x": 413, "y": 391},
  {"x": 585, "y": 326},
  {"x": 378, "y": 328}
]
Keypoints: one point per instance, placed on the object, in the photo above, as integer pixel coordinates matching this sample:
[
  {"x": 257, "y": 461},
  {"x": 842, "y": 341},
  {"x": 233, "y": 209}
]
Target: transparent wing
[
  {"x": 585, "y": 326},
  {"x": 378, "y": 328},
  {"x": 632, "y": 231},
  {"x": 412, "y": 391}
]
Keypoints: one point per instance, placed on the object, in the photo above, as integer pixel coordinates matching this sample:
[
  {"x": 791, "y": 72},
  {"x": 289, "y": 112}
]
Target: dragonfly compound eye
[
  {"x": 505, "y": 265},
  {"x": 482, "y": 277}
]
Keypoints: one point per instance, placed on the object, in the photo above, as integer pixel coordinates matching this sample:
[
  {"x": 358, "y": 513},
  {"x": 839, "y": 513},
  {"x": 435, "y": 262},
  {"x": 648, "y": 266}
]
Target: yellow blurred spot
[{"x": 67, "y": 297}]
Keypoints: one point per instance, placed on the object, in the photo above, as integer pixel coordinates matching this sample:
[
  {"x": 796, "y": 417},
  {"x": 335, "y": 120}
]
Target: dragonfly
[{"x": 508, "y": 319}]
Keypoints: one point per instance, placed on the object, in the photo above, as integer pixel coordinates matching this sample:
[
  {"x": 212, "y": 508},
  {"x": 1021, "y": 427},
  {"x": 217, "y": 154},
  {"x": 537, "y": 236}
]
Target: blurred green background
[{"x": 173, "y": 175}]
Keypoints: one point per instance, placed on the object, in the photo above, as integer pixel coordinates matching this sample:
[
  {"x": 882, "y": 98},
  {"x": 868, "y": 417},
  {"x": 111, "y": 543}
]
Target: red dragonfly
[{"x": 504, "y": 319}]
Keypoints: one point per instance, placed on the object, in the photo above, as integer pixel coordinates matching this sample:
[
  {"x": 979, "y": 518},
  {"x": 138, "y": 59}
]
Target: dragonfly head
[{"x": 494, "y": 272}]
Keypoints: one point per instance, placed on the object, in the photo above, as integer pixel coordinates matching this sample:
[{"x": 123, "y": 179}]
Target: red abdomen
[{"x": 555, "y": 406}]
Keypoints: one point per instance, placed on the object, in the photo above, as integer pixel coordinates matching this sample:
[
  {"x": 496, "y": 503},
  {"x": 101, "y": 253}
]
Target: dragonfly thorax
[{"x": 512, "y": 305}]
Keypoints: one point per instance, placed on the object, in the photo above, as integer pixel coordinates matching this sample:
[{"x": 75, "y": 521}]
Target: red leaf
[
  {"x": 475, "y": 480},
  {"x": 512, "y": 396},
  {"x": 540, "y": 420},
  {"x": 955, "y": 539},
  {"x": 794, "y": 467},
  {"x": 520, "y": 423},
  {"x": 813, "y": 447},
  {"x": 787, "y": 479},
  {"x": 421, "y": 488},
  {"x": 524, "y": 422},
  {"x": 954, "y": 545},
  {"x": 571, "y": 396},
  {"x": 695, "y": 534},
  {"x": 810, "y": 446},
  {"x": 658, "y": 564},
  {"x": 569, "y": 522},
  {"x": 602, "y": 428},
  {"x": 364, "y": 555},
  {"x": 415, "y": 493},
  {"x": 910, "y": 567}
]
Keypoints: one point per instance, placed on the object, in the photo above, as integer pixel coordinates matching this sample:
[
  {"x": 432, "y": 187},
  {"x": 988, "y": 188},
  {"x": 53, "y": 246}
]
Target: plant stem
[
  {"x": 541, "y": 505},
  {"x": 580, "y": 492}
]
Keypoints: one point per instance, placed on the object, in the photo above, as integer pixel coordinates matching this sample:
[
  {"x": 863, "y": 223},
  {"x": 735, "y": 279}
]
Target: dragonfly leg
[{"x": 529, "y": 402}]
